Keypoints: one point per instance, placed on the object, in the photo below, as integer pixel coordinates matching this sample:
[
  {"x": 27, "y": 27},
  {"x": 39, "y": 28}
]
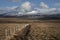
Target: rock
[{"x": 22, "y": 34}]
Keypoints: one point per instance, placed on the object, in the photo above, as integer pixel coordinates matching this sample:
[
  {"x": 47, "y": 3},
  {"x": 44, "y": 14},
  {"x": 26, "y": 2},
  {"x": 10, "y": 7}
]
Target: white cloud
[
  {"x": 33, "y": 12},
  {"x": 26, "y": 6},
  {"x": 7, "y": 9},
  {"x": 13, "y": 7},
  {"x": 42, "y": 11},
  {"x": 43, "y": 5},
  {"x": 45, "y": 11}
]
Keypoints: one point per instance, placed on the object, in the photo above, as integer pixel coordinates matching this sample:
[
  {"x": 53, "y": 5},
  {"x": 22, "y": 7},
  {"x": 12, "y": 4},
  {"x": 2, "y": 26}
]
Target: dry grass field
[{"x": 40, "y": 30}]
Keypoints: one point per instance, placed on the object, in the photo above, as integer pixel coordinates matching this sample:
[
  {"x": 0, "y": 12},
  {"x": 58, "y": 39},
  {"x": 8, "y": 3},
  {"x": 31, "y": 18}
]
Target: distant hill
[{"x": 33, "y": 16}]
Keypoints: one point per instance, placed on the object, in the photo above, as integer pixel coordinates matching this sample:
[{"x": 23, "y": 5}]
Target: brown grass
[{"x": 40, "y": 30}]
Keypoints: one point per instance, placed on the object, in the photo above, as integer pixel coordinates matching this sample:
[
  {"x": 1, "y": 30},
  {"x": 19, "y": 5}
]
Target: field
[{"x": 40, "y": 29}]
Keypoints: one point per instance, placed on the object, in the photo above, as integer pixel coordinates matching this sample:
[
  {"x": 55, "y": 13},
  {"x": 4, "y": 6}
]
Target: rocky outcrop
[{"x": 22, "y": 34}]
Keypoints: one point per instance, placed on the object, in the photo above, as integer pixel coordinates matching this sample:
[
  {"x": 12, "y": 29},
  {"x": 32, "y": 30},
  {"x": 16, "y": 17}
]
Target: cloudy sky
[
  {"x": 35, "y": 3},
  {"x": 30, "y": 6}
]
